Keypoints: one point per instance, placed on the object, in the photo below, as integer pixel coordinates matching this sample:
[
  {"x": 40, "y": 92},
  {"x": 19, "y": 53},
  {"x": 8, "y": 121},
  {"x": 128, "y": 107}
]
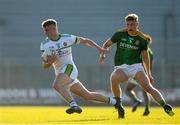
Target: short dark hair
[
  {"x": 131, "y": 17},
  {"x": 49, "y": 22}
]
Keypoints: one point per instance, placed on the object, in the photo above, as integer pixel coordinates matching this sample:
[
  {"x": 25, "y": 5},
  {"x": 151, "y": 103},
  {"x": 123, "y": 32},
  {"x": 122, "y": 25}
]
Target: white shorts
[
  {"x": 70, "y": 70},
  {"x": 131, "y": 70}
]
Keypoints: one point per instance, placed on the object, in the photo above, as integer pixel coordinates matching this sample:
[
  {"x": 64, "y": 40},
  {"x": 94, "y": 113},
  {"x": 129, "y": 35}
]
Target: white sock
[
  {"x": 73, "y": 103},
  {"x": 112, "y": 101}
]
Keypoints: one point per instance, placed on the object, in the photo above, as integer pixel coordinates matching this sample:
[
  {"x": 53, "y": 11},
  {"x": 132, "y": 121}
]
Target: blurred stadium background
[{"x": 23, "y": 81}]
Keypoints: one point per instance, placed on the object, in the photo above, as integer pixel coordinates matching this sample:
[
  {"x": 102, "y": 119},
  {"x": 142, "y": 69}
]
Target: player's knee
[
  {"x": 118, "y": 77},
  {"x": 57, "y": 86}
]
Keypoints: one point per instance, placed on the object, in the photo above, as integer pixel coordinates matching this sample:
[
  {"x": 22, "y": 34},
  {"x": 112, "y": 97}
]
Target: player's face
[
  {"x": 132, "y": 26},
  {"x": 50, "y": 31}
]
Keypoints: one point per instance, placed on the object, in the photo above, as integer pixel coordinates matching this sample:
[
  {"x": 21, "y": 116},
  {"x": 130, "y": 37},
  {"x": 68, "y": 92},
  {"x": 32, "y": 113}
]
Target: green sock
[
  {"x": 162, "y": 103},
  {"x": 134, "y": 98},
  {"x": 147, "y": 106}
]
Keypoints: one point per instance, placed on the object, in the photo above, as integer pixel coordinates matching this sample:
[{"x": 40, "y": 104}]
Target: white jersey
[{"x": 63, "y": 49}]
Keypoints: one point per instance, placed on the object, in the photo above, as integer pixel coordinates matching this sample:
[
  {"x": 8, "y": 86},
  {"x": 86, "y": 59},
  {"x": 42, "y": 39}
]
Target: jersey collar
[
  {"x": 59, "y": 36},
  {"x": 133, "y": 35}
]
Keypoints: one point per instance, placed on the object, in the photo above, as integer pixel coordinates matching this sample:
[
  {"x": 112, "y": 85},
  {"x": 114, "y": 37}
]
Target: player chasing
[
  {"x": 131, "y": 54},
  {"x": 131, "y": 84},
  {"x": 56, "y": 51}
]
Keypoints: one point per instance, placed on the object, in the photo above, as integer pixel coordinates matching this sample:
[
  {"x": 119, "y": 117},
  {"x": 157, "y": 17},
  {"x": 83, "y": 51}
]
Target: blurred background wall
[{"x": 23, "y": 81}]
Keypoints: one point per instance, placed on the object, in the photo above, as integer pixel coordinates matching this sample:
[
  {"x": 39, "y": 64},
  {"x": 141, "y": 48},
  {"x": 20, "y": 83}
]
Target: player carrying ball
[{"x": 66, "y": 73}]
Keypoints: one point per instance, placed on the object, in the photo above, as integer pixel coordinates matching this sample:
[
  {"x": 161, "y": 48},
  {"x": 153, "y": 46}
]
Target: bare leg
[
  {"x": 130, "y": 92},
  {"x": 117, "y": 77},
  {"x": 81, "y": 91},
  {"x": 146, "y": 99},
  {"x": 144, "y": 82},
  {"x": 147, "y": 103},
  {"x": 60, "y": 85}
]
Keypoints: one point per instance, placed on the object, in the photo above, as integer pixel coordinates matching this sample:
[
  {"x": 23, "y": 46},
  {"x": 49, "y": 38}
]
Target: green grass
[{"x": 90, "y": 115}]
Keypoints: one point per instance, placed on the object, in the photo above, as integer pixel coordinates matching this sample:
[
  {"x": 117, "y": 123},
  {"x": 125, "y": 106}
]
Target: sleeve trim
[{"x": 77, "y": 41}]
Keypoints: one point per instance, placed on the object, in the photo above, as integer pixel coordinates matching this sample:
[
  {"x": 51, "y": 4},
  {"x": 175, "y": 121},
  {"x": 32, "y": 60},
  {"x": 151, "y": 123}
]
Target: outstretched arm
[
  {"x": 106, "y": 46},
  {"x": 91, "y": 43}
]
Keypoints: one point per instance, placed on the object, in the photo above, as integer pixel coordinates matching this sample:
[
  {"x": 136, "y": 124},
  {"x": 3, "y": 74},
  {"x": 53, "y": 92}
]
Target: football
[{"x": 48, "y": 52}]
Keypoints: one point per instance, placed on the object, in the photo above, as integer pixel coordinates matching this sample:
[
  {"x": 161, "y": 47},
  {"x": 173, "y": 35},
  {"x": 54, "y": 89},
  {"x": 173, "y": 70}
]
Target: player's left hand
[
  {"x": 103, "y": 51},
  {"x": 51, "y": 59}
]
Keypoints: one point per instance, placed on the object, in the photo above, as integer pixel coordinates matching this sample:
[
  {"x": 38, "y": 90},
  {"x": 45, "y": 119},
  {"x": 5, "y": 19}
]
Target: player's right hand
[{"x": 101, "y": 59}]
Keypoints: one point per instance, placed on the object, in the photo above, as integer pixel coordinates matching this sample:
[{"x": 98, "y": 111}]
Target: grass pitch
[{"x": 90, "y": 115}]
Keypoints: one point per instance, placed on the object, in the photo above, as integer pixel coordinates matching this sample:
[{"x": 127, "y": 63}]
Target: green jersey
[{"x": 129, "y": 47}]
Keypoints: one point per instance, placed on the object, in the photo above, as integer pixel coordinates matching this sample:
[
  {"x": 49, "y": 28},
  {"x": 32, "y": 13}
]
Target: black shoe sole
[
  {"x": 74, "y": 110},
  {"x": 146, "y": 113}
]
